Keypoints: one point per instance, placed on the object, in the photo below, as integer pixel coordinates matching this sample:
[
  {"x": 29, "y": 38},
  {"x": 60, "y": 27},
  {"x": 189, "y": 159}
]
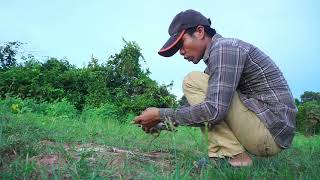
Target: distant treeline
[{"x": 119, "y": 81}]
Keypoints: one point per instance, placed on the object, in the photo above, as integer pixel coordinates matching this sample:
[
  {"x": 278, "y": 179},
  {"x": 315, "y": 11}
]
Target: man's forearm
[{"x": 196, "y": 115}]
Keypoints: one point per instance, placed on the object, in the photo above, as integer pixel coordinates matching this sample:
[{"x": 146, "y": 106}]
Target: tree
[
  {"x": 130, "y": 86},
  {"x": 183, "y": 101},
  {"x": 308, "y": 118},
  {"x": 7, "y": 54},
  {"x": 120, "y": 82},
  {"x": 310, "y": 96}
]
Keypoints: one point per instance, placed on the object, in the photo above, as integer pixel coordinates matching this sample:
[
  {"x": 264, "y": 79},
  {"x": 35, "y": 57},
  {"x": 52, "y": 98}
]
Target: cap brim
[{"x": 172, "y": 45}]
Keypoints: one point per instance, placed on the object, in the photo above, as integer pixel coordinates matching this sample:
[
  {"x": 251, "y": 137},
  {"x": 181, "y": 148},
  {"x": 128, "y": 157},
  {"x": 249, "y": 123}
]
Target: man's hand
[{"x": 148, "y": 119}]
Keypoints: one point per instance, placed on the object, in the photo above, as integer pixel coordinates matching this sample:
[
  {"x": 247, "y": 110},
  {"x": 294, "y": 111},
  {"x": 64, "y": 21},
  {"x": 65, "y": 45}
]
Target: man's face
[{"x": 192, "y": 47}]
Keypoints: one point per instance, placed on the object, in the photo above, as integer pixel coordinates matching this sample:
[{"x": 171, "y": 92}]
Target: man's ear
[{"x": 200, "y": 33}]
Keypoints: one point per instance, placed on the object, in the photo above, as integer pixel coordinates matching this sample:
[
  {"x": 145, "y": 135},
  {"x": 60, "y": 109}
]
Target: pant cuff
[{"x": 223, "y": 155}]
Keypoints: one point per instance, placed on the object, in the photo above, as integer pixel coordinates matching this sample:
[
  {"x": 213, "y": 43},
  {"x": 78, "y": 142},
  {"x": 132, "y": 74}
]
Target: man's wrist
[{"x": 166, "y": 114}]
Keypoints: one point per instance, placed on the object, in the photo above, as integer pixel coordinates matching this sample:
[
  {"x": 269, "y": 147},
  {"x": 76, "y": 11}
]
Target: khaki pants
[{"x": 241, "y": 129}]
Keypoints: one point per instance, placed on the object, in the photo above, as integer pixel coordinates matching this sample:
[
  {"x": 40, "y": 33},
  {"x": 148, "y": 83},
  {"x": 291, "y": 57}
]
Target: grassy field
[{"x": 63, "y": 144}]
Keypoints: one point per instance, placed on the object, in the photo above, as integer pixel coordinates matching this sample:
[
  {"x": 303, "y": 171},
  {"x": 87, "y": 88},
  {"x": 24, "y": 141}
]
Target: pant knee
[{"x": 195, "y": 79}]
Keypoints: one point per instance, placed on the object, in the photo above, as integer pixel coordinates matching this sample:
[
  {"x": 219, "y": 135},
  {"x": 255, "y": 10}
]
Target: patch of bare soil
[{"x": 113, "y": 159}]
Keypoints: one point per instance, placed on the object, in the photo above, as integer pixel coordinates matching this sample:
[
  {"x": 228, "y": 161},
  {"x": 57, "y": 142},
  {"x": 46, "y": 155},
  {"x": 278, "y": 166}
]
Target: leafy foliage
[
  {"x": 310, "y": 96},
  {"x": 120, "y": 82},
  {"x": 7, "y": 54},
  {"x": 183, "y": 101},
  {"x": 308, "y": 116},
  {"x": 132, "y": 87}
]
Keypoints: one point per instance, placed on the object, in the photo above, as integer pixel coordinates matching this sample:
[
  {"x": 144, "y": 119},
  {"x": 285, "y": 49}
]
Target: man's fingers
[
  {"x": 149, "y": 130},
  {"x": 132, "y": 122},
  {"x": 137, "y": 120},
  {"x": 145, "y": 129},
  {"x": 149, "y": 124}
]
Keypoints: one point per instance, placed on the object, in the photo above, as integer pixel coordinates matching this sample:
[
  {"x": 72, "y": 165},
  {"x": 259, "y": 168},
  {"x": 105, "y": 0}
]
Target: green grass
[{"x": 27, "y": 136}]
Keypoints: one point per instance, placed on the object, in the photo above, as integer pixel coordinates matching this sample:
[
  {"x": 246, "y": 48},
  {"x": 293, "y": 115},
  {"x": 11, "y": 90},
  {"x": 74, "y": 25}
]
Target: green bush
[
  {"x": 106, "y": 112},
  {"x": 16, "y": 105},
  {"x": 62, "y": 109},
  {"x": 308, "y": 117},
  {"x": 10, "y": 105},
  {"x": 32, "y": 106},
  {"x": 120, "y": 81}
]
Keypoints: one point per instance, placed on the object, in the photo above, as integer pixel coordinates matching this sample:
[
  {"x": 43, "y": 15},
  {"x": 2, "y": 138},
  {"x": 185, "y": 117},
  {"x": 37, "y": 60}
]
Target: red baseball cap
[{"x": 180, "y": 23}]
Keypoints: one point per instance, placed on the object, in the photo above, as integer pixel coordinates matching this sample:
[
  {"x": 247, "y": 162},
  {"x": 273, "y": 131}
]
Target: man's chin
[{"x": 196, "y": 61}]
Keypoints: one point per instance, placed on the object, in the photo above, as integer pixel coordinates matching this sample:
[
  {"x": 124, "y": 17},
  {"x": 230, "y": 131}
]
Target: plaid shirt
[{"x": 234, "y": 65}]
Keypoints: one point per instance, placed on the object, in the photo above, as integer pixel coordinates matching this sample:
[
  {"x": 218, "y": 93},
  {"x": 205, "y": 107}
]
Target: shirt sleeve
[{"x": 226, "y": 63}]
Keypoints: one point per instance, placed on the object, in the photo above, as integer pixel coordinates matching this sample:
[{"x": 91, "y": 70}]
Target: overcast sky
[{"x": 287, "y": 30}]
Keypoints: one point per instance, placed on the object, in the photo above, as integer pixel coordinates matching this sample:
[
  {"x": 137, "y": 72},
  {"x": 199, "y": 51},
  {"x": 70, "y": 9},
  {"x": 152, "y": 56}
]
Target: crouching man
[{"x": 242, "y": 95}]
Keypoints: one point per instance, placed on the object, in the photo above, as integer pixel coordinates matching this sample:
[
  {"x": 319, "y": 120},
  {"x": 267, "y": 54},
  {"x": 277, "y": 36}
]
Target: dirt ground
[{"x": 97, "y": 155}]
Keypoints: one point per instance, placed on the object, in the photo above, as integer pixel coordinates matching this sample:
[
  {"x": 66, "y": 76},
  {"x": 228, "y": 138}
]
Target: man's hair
[{"x": 207, "y": 29}]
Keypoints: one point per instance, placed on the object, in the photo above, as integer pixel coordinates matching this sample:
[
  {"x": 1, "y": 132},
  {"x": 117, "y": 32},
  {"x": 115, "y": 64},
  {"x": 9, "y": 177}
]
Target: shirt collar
[{"x": 207, "y": 52}]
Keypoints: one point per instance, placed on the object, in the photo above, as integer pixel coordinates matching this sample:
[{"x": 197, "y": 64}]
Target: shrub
[
  {"x": 120, "y": 83},
  {"x": 106, "y": 112},
  {"x": 308, "y": 117},
  {"x": 61, "y": 108}
]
